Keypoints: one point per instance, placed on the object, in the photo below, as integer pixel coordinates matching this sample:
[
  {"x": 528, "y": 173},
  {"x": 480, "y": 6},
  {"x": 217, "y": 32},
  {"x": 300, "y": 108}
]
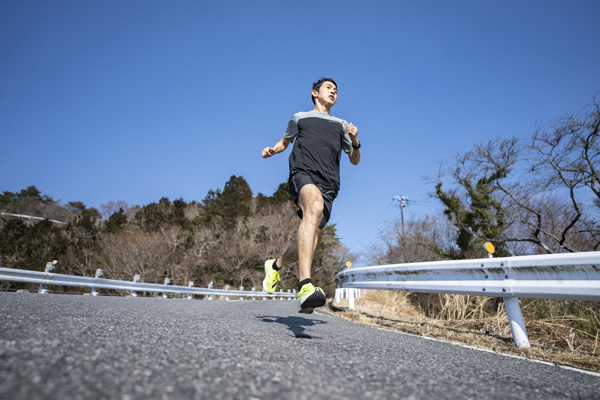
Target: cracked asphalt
[{"x": 79, "y": 347}]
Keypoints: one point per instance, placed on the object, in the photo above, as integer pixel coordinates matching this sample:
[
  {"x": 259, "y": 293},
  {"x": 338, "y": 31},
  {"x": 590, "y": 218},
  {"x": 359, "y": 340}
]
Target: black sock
[
  {"x": 274, "y": 266},
  {"x": 304, "y": 282}
]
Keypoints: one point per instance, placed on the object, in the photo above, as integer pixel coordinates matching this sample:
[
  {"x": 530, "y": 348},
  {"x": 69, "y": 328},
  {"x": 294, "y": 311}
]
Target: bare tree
[
  {"x": 112, "y": 207},
  {"x": 132, "y": 251},
  {"x": 567, "y": 158},
  {"x": 547, "y": 188}
]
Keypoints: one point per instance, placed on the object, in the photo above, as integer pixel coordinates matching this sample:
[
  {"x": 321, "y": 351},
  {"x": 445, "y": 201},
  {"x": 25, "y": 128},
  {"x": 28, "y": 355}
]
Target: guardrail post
[
  {"x": 226, "y": 288},
  {"x": 99, "y": 273},
  {"x": 241, "y": 298},
  {"x": 338, "y": 295},
  {"x": 167, "y": 280},
  {"x": 253, "y": 291},
  {"x": 515, "y": 318},
  {"x": 351, "y": 298},
  {"x": 210, "y": 286},
  {"x": 49, "y": 267},
  {"x": 136, "y": 279},
  {"x": 190, "y": 284}
]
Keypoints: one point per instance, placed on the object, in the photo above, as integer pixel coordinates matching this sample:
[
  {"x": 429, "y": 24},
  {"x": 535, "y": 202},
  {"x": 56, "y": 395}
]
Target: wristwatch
[{"x": 356, "y": 147}]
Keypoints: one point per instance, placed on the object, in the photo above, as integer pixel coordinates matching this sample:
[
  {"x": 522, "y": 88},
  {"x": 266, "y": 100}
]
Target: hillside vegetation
[{"x": 224, "y": 239}]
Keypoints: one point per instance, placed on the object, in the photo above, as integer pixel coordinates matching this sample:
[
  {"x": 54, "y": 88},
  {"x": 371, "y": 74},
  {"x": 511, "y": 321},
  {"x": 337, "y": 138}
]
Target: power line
[{"x": 373, "y": 228}]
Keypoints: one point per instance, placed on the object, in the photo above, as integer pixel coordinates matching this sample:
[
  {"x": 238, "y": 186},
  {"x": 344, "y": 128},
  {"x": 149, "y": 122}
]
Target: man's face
[{"x": 327, "y": 94}]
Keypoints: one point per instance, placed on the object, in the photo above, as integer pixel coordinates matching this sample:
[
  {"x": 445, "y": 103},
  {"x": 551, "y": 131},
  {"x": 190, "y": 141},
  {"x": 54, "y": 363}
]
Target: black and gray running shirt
[{"x": 320, "y": 139}]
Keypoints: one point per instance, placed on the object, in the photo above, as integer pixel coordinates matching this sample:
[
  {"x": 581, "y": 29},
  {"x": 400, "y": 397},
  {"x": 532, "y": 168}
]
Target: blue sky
[{"x": 136, "y": 100}]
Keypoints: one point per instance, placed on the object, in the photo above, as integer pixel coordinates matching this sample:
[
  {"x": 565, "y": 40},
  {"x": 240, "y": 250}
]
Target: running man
[{"x": 314, "y": 183}]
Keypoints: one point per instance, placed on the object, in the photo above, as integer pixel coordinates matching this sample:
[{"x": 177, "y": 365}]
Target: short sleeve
[
  {"x": 346, "y": 141},
  {"x": 292, "y": 129}
]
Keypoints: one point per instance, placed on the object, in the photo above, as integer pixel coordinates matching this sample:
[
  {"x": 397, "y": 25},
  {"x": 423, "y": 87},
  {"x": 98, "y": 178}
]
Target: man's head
[{"x": 326, "y": 88}]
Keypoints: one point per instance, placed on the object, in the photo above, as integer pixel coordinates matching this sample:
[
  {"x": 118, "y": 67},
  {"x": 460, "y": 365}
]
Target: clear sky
[{"x": 136, "y": 100}]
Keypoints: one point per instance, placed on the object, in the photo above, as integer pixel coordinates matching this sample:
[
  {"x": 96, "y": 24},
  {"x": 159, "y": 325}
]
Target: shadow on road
[{"x": 295, "y": 324}]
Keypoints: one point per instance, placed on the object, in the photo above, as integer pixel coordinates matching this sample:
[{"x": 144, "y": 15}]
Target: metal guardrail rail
[
  {"x": 48, "y": 278},
  {"x": 572, "y": 276},
  {"x": 31, "y": 217}
]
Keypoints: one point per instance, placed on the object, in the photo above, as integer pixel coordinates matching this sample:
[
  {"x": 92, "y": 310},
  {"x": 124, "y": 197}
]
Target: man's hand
[
  {"x": 278, "y": 148},
  {"x": 268, "y": 152},
  {"x": 354, "y": 155},
  {"x": 352, "y": 131}
]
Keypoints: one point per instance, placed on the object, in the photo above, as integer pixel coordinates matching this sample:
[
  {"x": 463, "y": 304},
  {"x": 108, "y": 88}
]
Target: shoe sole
[{"x": 310, "y": 304}]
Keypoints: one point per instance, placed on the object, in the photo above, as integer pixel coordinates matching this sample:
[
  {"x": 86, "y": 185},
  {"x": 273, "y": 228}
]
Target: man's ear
[{"x": 315, "y": 94}]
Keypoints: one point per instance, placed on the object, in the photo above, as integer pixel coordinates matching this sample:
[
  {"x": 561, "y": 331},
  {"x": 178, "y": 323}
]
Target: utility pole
[{"x": 403, "y": 202}]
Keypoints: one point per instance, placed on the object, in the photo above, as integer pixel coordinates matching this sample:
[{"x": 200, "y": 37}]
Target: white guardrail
[
  {"x": 571, "y": 276},
  {"x": 48, "y": 278}
]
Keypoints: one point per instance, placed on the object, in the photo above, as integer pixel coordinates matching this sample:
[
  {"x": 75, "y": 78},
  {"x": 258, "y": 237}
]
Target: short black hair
[{"x": 317, "y": 85}]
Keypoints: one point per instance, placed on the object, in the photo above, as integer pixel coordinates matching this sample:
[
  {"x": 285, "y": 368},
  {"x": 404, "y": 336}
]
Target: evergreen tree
[
  {"x": 152, "y": 216},
  {"x": 116, "y": 221},
  {"x": 478, "y": 217},
  {"x": 230, "y": 204}
]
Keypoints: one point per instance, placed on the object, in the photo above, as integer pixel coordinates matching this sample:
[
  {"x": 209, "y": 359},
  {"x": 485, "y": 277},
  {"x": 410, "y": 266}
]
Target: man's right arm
[{"x": 278, "y": 148}]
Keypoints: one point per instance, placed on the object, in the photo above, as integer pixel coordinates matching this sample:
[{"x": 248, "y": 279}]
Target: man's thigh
[{"x": 309, "y": 198}]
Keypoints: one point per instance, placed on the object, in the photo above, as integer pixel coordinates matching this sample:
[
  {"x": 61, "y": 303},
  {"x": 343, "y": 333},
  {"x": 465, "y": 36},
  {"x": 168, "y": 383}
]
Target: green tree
[
  {"x": 154, "y": 215},
  {"x": 116, "y": 221},
  {"x": 42, "y": 242},
  {"x": 477, "y": 215},
  {"x": 11, "y": 244},
  {"x": 230, "y": 204},
  {"x": 30, "y": 192}
]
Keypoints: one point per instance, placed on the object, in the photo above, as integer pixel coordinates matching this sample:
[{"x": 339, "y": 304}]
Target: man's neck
[{"x": 321, "y": 108}]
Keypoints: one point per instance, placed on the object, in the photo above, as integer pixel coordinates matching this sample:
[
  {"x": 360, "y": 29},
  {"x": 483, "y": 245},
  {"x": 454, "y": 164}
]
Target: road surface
[{"x": 79, "y": 347}]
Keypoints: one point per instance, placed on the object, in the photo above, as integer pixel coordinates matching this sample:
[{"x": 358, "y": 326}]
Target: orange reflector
[{"x": 489, "y": 247}]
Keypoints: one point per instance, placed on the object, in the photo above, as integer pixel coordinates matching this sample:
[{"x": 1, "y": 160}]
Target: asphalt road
[{"x": 76, "y": 347}]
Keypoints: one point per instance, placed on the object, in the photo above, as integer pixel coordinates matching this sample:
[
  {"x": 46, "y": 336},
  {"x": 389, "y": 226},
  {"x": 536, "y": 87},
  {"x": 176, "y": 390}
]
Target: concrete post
[
  {"x": 167, "y": 280},
  {"x": 190, "y": 284},
  {"x": 351, "y": 298},
  {"x": 136, "y": 278},
  {"x": 99, "y": 273},
  {"x": 49, "y": 267}
]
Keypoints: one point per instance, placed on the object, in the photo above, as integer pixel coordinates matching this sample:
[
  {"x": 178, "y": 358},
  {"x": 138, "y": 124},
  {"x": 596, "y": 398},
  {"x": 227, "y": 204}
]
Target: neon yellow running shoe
[
  {"x": 271, "y": 277},
  {"x": 309, "y": 298}
]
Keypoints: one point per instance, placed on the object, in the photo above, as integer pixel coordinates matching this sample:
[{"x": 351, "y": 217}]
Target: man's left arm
[{"x": 353, "y": 155}]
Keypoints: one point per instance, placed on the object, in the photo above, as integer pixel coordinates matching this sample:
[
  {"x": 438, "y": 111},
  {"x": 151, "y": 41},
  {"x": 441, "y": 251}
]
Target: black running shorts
[{"x": 298, "y": 180}]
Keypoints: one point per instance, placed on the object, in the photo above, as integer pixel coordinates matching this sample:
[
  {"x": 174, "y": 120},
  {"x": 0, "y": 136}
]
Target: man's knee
[
  {"x": 314, "y": 209},
  {"x": 311, "y": 203}
]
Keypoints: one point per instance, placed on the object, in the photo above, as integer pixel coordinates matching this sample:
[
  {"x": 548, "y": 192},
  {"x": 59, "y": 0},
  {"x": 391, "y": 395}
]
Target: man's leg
[
  {"x": 291, "y": 253},
  {"x": 310, "y": 202},
  {"x": 289, "y": 256}
]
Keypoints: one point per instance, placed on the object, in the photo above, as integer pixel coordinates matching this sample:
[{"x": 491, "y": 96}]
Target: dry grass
[{"x": 467, "y": 319}]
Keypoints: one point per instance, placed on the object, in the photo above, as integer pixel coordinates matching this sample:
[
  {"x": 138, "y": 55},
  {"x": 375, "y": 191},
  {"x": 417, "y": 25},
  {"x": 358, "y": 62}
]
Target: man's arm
[
  {"x": 278, "y": 148},
  {"x": 354, "y": 155}
]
